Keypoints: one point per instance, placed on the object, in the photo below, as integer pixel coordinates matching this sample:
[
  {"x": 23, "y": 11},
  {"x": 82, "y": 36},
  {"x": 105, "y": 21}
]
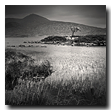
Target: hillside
[{"x": 33, "y": 25}]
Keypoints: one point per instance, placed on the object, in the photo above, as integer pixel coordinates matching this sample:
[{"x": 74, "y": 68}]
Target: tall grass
[
  {"x": 77, "y": 79},
  {"x": 74, "y": 92}
]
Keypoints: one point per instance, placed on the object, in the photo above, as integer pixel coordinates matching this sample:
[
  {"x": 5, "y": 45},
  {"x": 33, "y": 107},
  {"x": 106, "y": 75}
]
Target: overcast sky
[{"x": 93, "y": 15}]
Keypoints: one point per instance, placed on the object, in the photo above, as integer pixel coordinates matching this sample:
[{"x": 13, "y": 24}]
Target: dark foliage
[
  {"x": 18, "y": 64},
  {"x": 54, "y": 38},
  {"x": 91, "y": 38},
  {"x": 95, "y": 39}
]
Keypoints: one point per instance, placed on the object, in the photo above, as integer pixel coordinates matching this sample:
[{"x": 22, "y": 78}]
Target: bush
[
  {"x": 54, "y": 38},
  {"x": 19, "y": 65},
  {"x": 91, "y": 38}
]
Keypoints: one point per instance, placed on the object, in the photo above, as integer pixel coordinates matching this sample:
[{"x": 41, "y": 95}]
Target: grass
[
  {"x": 76, "y": 92},
  {"x": 76, "y": 79}
]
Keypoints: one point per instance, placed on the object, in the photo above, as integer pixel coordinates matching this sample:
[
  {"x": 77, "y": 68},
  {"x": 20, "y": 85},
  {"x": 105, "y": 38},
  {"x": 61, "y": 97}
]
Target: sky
[{"x": 92, "y": 15}]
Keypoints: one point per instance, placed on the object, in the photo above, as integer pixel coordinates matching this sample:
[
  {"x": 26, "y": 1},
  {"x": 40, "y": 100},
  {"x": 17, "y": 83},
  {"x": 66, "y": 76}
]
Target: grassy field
[{"x": 78, "y": 77}]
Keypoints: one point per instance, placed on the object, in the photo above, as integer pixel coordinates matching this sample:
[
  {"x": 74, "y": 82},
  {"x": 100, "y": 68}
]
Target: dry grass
[{"x": 79, "y": 78}]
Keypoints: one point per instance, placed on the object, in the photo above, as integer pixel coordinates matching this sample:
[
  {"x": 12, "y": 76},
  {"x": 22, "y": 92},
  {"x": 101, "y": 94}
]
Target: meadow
[{"x": 78, "y": 77}]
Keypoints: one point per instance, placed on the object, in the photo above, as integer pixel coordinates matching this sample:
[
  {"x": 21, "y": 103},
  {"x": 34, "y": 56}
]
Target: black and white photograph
[{"x": 55, "y": 55}]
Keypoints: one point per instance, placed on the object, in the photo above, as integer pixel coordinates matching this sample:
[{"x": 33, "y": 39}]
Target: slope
[{"x": 34, "y": 25}]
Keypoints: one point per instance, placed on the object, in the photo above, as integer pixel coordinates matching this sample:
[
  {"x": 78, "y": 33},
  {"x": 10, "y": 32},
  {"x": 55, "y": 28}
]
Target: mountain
[
  {"x": 33, "y": 25},
  {"x": 34, "y": 19},
  {"x": 8, "y": 20},
  {"x": 12, "y": 25}
]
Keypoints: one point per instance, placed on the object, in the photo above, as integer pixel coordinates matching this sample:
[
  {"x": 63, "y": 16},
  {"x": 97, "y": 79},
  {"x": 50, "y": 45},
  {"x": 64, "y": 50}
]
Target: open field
[{"x": 78, "y": 77}]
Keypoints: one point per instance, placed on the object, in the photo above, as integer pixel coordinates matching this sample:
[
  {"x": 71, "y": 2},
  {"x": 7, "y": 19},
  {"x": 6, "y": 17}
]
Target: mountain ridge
[{"x": 34, "y": 25}]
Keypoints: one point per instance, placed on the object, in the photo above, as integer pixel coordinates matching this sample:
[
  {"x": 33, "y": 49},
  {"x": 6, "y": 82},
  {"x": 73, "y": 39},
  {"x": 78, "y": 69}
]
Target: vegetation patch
[
  {"x": 54, "y": 38},
  {"x": 19, "y": 66},
  {"x": 81, "y": 83},
  {"x": 91, "y": 40}
]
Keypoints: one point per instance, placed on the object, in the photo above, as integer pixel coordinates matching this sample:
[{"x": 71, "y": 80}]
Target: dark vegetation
[
  {"x": 21, "y": 45},
  {"x": 97, "y": 40},
  {"x": 54, "y": 38},
  {"x": 91, "y": 38},
  {"x": 57, "y": 94},
  {"x": 18, "y": 65}
]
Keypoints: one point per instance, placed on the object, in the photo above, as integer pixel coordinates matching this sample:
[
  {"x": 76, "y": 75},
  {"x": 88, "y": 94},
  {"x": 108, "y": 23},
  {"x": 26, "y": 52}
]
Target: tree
[{"x": 74, "y": 29}]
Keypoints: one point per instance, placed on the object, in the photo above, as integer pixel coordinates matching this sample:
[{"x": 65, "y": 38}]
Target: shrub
[
  {"x": 18, "y": 64},
  {"x": 91, "y": 38},
  {"x": 54, "y": 38}
]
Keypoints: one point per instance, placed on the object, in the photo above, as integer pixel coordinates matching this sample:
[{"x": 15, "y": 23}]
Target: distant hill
[
  {"x": 34, "y": 19},
  {"x": 33, "y": 25},
  {"x": 12, "y": 25},
  {"x": 8, "y": 20}
]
